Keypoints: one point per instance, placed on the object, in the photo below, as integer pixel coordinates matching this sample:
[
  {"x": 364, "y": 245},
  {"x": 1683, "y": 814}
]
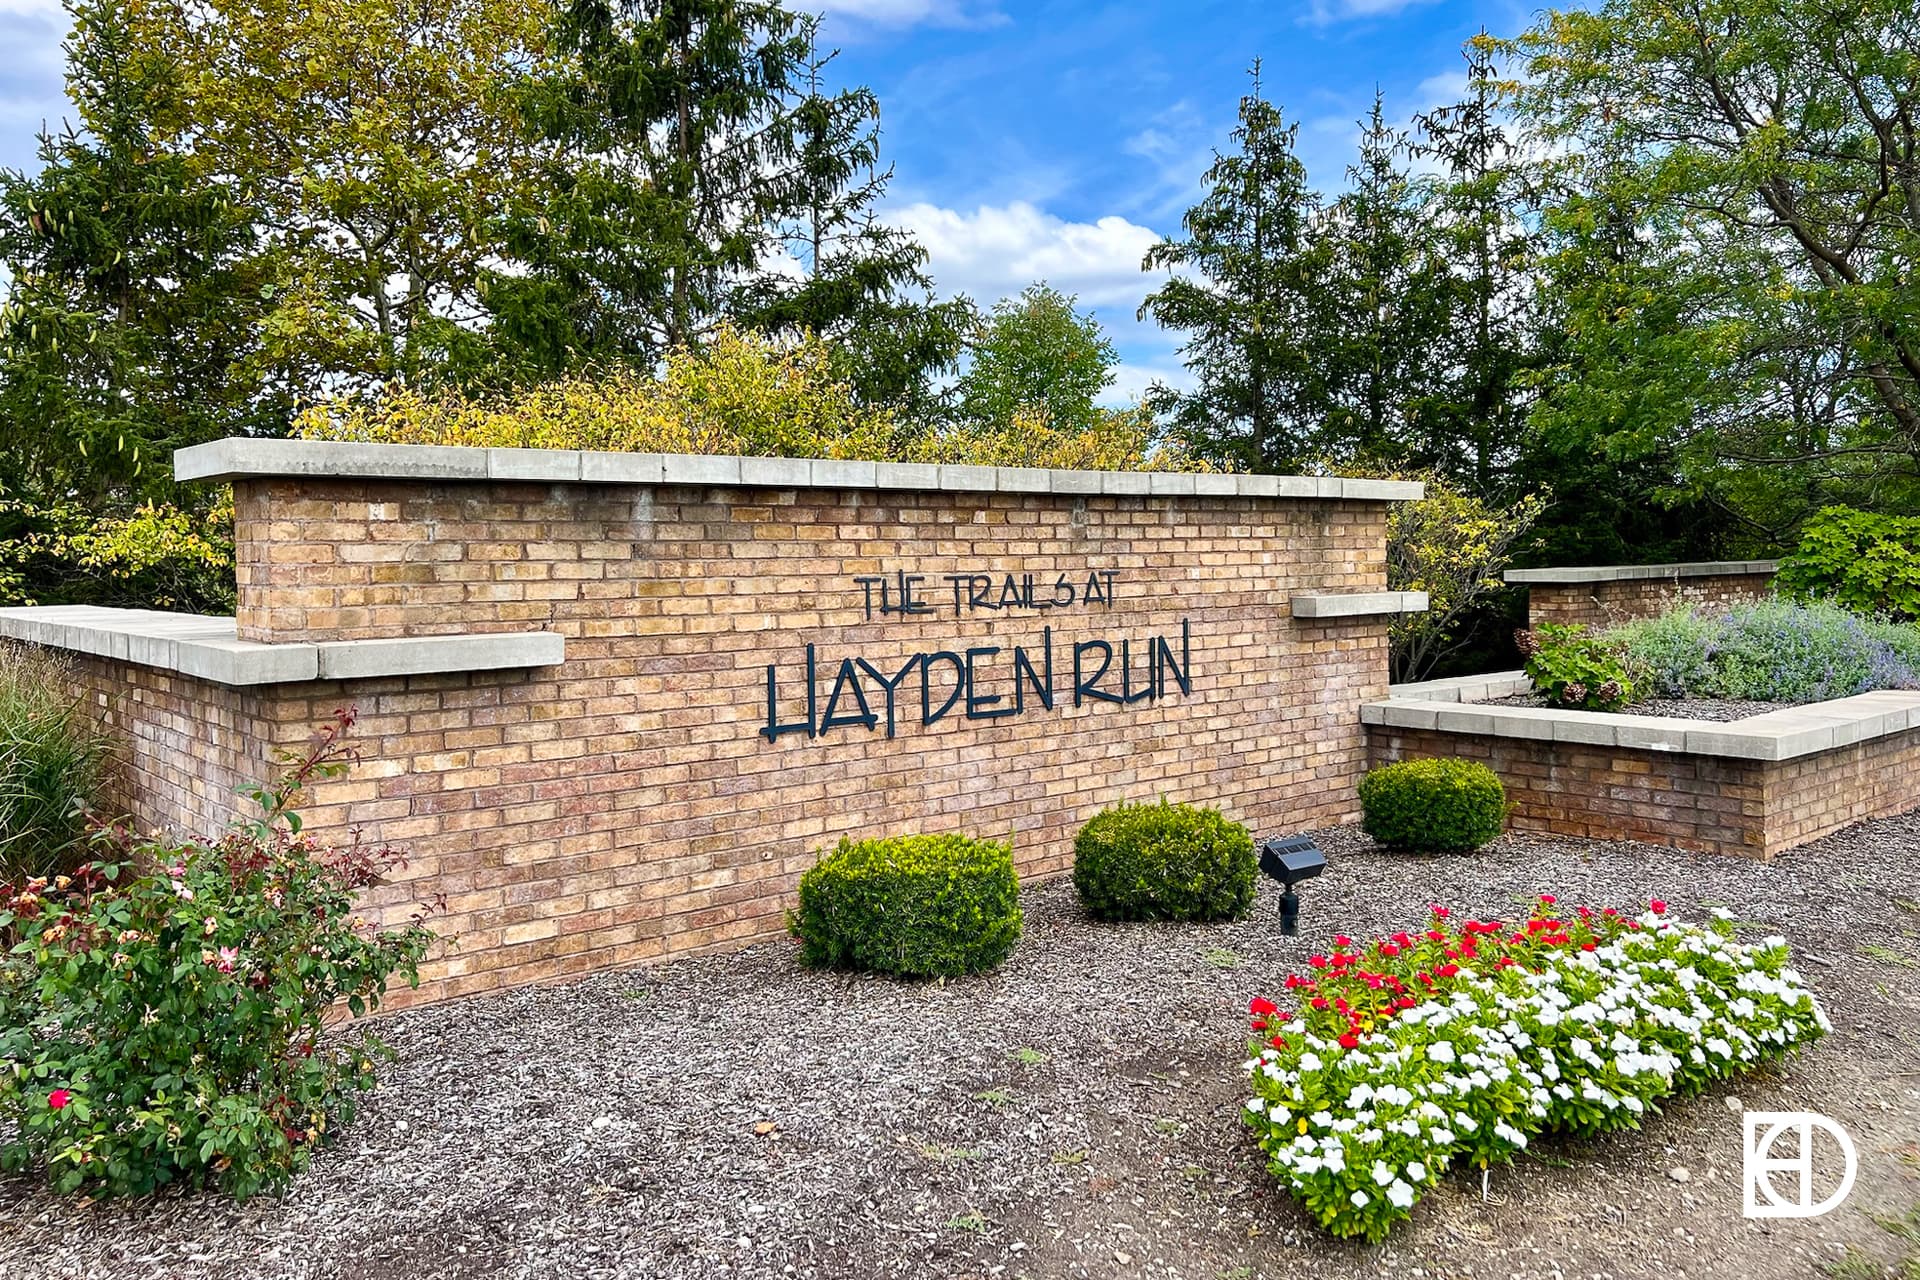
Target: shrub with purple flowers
[{"x": 1770, "y": 650}]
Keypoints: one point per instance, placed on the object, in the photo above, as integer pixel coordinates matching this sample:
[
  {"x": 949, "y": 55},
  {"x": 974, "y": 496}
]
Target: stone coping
[
  {"x": 1776, "y": 735},
  {"x": 1357, "y": 604},
  {"x": 1634, "y": 572},
  {"x": 240, "y": 457},
  {"x": 210, "y": 648}
]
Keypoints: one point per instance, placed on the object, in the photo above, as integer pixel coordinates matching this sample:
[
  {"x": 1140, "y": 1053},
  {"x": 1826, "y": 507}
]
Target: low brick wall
[
  {"x": 1691, "y": 784},
  {"x": 751, "y": 672},
  {"x": 1600, "y": 597}
]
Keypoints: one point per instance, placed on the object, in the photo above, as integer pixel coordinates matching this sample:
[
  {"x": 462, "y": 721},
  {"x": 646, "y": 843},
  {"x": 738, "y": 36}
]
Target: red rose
[
  {"x": 1262, "y": 1006},
  {"x": 59, "y": 1098}
]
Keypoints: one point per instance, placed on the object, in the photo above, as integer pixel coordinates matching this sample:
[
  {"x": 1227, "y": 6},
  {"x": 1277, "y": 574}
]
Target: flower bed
[{"x": 1458, "y": 1044}]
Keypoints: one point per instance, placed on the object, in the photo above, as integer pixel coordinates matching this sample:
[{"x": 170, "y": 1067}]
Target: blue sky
[{"x": 1054, "y": 140}]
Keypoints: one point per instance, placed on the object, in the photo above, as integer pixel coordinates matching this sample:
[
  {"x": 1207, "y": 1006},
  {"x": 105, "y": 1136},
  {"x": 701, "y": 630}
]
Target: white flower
[
  {"x": 1382, "y": 1174},
  {"x": 1416, "y": 1171},
  {"x": 1359, "y": 1199},
  {"x": 1400, "y": 1194}
]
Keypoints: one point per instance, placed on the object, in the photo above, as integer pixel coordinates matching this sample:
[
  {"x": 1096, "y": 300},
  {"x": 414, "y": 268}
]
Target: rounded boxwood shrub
[
  {"x": 924, "y": 906},
  {"x": 1163, "y": 862},
  {"x": 1433, "y": 806}
]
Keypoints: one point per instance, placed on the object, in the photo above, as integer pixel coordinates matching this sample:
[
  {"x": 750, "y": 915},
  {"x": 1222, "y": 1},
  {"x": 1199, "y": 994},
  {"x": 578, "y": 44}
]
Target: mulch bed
[
  {"x": 1720, "y": 709},
  {"x": 1074, "y": 1115}
]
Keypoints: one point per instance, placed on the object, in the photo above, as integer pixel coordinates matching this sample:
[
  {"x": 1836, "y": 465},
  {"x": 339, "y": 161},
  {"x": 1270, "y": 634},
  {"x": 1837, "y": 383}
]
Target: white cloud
[
  {"x": 997, "y": 250},
  {"x": 1324, "y": 12},
  {"x": 1130, "y": 381},
  {"x": 889, "y": 13}
]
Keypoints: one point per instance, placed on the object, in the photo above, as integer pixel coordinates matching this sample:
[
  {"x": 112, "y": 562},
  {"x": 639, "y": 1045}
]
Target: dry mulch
[
  {"x": 1717, "y": 709},
  {"x": 1074, "y": 1115}
]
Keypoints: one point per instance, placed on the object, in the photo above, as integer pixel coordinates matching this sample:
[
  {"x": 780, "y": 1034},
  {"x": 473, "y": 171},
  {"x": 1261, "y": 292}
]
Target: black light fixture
[{"x": 1291, "y": 859}]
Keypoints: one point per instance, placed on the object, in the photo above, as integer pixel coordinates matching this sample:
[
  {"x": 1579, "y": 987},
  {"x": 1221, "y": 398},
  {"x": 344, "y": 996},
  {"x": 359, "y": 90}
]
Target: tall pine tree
[{"x": 1247, "y": 298}]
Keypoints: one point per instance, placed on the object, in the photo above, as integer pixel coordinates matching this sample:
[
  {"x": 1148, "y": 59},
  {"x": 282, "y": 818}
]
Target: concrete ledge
[
  {"x": 210, "y": 649},
  {"x": 1776, "y": 735},
  {"x": 1482, "y": 688},
  {"x": 1637, "y": 572},
  {"x": 1357, "y": 604},
  {"x": 241, "y": 457}
]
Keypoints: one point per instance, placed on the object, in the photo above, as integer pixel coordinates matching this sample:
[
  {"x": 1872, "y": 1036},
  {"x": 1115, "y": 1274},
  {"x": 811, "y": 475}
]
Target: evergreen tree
[
  {"x": 1387, "y": 294},
  {"x": 1248, "y": 301},
  {"x": 1479, "y": 212},
  {"x": 130, "y": 327},
  {"x": 699, "y": 170},
  {"x": 861, "y": 283}
]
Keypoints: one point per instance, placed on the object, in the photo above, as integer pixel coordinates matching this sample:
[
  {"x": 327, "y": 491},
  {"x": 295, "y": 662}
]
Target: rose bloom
[{"x": 58, "y": 1099}]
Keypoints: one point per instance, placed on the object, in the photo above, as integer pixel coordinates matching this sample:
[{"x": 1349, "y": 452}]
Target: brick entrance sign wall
[{"x": 613, "y": 705}]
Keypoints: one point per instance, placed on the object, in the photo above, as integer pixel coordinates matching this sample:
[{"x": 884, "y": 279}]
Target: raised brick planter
[
  {"x": 1751, "y": 787},
  {"x": 690, "y": 675},
  {"x": 1598, "y": 596}
]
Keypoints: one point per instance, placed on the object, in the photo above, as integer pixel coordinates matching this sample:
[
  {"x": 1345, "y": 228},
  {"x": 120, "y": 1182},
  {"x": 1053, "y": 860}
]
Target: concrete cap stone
[
  {"x": 243, "y": 458},
  {"x": 210, "y": 649}
]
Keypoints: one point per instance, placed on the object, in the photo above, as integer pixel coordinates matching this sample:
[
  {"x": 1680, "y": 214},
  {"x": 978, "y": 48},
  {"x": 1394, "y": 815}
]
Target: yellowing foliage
[{"x": 741, "y": 393}]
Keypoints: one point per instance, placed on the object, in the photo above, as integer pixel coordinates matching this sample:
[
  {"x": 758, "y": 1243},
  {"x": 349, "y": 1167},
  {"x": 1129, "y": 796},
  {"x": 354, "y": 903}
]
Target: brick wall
[
  {"x": 1601, "y": 604},
  {"x": 183, "y": 747},
  {"x": 626, "y": 805},
  {"x": 1713, "y": 804}
]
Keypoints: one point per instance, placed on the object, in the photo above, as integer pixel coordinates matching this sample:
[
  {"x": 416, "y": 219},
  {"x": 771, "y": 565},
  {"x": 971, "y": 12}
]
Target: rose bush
[
  {"x": 1418, "y": 1051},
  {"x": 163, "y": 1009}
]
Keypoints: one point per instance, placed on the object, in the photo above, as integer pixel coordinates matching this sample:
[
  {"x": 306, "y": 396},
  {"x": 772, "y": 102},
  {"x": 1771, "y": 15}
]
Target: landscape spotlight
[{"x": 1291, "y": 859}]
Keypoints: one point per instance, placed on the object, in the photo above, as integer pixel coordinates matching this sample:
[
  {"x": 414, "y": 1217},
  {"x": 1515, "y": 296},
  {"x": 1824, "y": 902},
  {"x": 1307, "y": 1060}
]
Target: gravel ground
[
  {"x": 1722, "y": 709},
  {"x": 1074, "y": 1115}
]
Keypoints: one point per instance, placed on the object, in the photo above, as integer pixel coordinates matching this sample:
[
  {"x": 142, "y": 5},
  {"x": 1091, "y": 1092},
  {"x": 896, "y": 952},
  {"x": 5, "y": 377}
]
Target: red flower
[
  {"x": 1259, "y": 1024},
  {"x": 1278, "y": 1042},
  {"x": 1441, "y": 912},
  {"x": 1262, "y": 1006},
  {"x": 1348, "y": 1040},
  {"x": 59, "y": 1098},
  {"x": 1446, "y": 970},
  {"x": 1319, "y": 1002},
  {"x": 1548, "y": 899},
  {"x": 1588, "y": 946},
  {"x": 1342, "y": 940},
  {"x": 1388, "y": 950},
  {"x": 1318, "y": 962},
  {"x": 1658, "y": 907}
]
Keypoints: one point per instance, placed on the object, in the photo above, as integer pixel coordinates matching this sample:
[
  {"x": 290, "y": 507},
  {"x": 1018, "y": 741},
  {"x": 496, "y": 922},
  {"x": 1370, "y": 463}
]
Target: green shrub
[
  {"x": 1867, "y": 562},
  {"x": 52, "y": 757},
  {"x": 925, "y": 906},
  {"x": 166, "y": 1012},
  {"x": 1433, "y": 806},
  {"x": 1164, "y": 862},
  {"x": 1574, "y": 669},
  {"x": 1669, "y": 656}
]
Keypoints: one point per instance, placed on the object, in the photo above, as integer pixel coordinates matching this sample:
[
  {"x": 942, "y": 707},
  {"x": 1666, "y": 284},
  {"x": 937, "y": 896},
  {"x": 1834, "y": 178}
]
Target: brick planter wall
[
  {"x": 1712, "y": 803},
  {"x": 629, "y": 804},
  {"x": 1601, "y": 597}
]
